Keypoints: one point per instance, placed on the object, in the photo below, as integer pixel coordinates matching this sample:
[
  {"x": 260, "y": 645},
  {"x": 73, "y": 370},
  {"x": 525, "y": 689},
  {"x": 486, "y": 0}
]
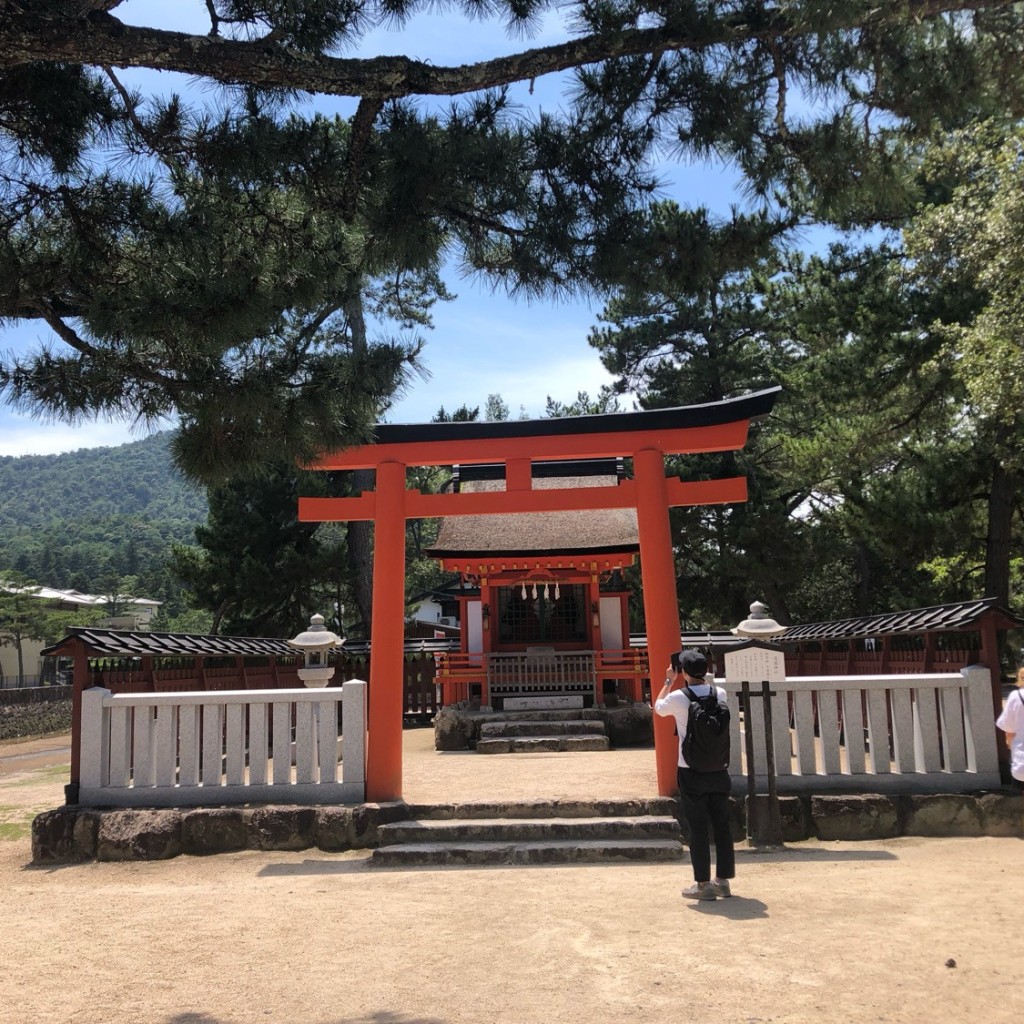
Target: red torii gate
[{"x": 645, "y": 437}]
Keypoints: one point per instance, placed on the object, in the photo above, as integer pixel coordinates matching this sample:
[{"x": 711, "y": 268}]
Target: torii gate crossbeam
[{"x": 645, "y": 437}]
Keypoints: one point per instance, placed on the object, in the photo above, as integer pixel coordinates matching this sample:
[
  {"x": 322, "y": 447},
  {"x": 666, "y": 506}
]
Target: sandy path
[{"x": 838, "y": 931}]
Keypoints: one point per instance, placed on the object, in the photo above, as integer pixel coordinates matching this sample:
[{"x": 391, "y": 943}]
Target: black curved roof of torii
[{"x": 753, "y": 406}]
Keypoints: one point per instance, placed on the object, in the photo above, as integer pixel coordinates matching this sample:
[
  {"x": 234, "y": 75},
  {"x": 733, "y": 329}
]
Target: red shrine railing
[{"x": 606, "y": 676}]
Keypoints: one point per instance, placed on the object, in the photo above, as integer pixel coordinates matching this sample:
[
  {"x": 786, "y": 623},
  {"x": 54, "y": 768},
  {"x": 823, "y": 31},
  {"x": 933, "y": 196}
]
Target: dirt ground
[{"x": 909, "y": 930}]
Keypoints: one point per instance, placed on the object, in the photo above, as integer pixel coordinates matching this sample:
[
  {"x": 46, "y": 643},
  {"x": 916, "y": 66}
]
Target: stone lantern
[
  {"x": 315, "y": 644},
  {"x": 760, "y": 623}
]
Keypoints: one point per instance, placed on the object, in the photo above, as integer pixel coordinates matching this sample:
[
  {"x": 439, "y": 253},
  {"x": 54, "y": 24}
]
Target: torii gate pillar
[
  {"x": 387, "y": 631},
  {"x": 661, "y": 606}
]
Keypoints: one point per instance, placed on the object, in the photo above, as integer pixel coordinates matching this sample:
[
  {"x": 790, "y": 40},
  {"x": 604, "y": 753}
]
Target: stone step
[
  {"x": 525, "y": 853},
  {"x": 535, "y": 744},
  {"x": 543, "y": 727},
  {"x": 614, "y": 807},
  {"x": 546, "y": 715},
  {"x": 527, "y": 830}
]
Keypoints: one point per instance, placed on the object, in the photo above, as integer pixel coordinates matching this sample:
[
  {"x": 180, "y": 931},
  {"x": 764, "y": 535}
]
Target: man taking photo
[{"x": 702, "y": 723}]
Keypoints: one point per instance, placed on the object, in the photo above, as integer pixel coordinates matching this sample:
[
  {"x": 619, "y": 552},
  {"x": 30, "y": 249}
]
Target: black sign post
[{"x": 766, "y": 663}]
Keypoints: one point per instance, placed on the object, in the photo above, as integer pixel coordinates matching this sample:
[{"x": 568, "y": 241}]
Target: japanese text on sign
[{"x": 755, "y": 665}]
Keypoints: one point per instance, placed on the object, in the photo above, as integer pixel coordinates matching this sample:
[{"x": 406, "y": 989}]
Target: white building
[{"x": 138, "y": 613}]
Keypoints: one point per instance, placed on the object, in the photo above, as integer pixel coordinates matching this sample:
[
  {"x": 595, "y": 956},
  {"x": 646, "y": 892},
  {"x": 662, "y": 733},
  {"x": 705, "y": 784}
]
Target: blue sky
[{"x": 483, "y": 342}]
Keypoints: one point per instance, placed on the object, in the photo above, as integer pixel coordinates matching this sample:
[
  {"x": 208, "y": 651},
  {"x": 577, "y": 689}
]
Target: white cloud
[{"x": 22, "y": 436}]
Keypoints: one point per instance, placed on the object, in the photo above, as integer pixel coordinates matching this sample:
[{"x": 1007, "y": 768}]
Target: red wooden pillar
[
  {"x": 594, "y": 628},
  {"x": 661, "y": 609},
  {"x": 990, "y": 659},
  {"x": 929, "y": 652},
  {"x": 79, "y": 683},
  {"x": 488, "y": 618},
  {"x": 384, "y": 739}
]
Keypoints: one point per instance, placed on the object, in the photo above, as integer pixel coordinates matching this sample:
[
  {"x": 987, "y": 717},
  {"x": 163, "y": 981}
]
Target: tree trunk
[
  {"x": 776, "y": 601},
  {"x": 863, "y": 571},
  {"x": 360, "y": 554},
  {"x": 99, "y": 38},
  {"x": 1001, "y": 495},
  {"x": 360, "y": 537},
  {"x": 218, "y": 618}
]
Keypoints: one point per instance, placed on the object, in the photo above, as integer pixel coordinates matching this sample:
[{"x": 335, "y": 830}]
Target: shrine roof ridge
[{"x": 754, "y": 405}]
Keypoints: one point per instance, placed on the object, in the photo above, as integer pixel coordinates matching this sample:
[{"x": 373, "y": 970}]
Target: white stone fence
[
  {"x": 206, "y": 749},
  {"x": 900, "y": 733}
]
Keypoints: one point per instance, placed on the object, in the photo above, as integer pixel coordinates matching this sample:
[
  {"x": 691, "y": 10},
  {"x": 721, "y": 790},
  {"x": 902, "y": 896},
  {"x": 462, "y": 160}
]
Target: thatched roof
[{"x": 539, "y": 533}]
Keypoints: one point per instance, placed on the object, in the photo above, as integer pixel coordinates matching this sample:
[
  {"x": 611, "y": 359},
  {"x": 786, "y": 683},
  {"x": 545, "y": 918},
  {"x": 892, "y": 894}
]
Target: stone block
[
  {"x": 334, "y": 829},
  {"x": 65, "y": 835},
  {"x": 855, "y": 816},
  {"x": 629, "y": 726},
  {"x": 1002, "y": 814},
  {"x": 494, "y": 746},
  {"x": 282, "y": 828},
  {"x": 794, "y": 817},
  {"x": 942, "y": 814},
  {"x": 796, "y": 824},
  {"x": 139, "y": 835},
  {"x": 356, "y": 827},
  {"x": 454, "y": 730},
  {"x": 214, "y": 830}
]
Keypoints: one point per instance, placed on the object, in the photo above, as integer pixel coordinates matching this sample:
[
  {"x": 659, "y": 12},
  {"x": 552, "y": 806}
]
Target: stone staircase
[
  {"x": 520, "y": 732},
  {"x": 539, "y": 832}
]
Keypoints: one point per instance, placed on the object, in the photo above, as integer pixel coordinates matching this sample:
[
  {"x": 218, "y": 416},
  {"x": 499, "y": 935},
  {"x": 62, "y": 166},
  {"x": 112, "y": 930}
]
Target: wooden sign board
[{"x": 755, "y": 665}]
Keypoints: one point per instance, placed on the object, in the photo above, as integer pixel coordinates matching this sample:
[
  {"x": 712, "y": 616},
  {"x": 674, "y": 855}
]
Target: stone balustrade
[
  {"x": 893, "y": 733},
  {"x": 213, "y": 748}
]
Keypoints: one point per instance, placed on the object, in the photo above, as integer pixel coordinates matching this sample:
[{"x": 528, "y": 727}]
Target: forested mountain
[{"x": 82, "y": 518}]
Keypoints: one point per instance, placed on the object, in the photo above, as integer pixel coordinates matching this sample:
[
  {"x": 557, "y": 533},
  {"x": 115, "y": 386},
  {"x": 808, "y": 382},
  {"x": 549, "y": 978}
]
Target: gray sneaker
[
  {"x": 700, "y": 891},
  {"x": 720, "y": 887}
]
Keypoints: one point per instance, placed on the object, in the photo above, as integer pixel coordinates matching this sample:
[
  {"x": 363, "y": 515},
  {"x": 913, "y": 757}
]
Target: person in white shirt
[
  {"x": 1011, "y": 721},
  {"x": 704, "y": 794}
]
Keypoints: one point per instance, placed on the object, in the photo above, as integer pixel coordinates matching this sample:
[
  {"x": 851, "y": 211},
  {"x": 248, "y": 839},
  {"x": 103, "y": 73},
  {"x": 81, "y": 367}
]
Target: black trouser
[{"x": 705, "y": 797}]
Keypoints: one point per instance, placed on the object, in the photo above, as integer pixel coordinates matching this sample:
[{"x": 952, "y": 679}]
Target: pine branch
[
  {"x": 65, "y": 333},
  {"x": 74, "y": 340},
  {"x": 477, "y": 220},
  {"x": 98, "y": 38},
  {"x": 155, "y": 142},
  {"x": 359, "y": 141},
  {"x": 309, "y": 331}
]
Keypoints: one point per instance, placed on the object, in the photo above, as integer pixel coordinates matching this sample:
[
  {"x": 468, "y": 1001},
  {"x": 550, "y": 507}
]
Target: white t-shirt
[
  {"x": 1012, "y": 720},
  {"x": 677, "y": 705}
]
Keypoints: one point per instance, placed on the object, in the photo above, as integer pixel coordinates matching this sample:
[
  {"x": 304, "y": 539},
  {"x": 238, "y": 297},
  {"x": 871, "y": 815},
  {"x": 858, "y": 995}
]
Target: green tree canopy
[
  {"x": 220, "y": 264},
  {"x": 256, "y": 568}
]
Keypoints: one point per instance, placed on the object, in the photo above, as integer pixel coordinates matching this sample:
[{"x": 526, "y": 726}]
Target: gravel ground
[{"x": 906, "y": 930}]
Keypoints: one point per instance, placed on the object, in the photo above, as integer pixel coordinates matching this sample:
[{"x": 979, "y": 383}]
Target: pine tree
[
  {"x": 221, "y": 265},
  {"x": 969, "y": 242},
  {"x": 256, "y": 569}
]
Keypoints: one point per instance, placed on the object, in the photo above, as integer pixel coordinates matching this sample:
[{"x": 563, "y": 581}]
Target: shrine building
[{"x": 542, "y": 599}]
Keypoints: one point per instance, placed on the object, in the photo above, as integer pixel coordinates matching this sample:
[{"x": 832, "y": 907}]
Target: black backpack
[{"x": 706, "y": 743}]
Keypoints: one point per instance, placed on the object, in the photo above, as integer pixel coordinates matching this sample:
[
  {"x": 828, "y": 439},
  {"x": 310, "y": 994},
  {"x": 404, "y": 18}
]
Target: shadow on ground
[
  {"x": 380, "y": 1017},
  {"x": 819, "y": 853}
]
